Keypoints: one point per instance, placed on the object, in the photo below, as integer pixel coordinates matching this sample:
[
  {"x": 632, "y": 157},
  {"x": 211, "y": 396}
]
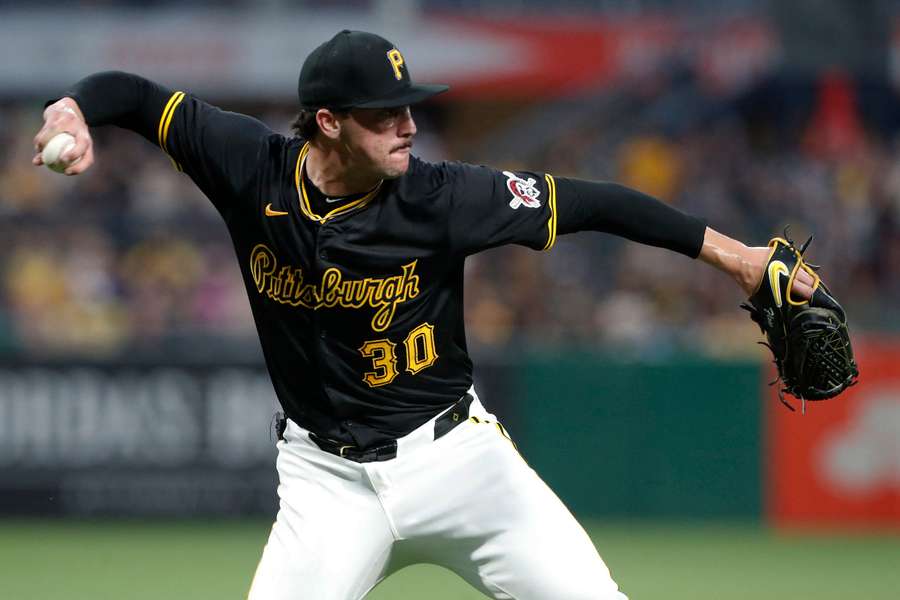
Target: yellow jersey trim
[
  {"x": 551, "y": 204},
  {"x": 162, "y": 118},
  {"x": 306, "y": 207},
  {"x": 164, "y": 121}
]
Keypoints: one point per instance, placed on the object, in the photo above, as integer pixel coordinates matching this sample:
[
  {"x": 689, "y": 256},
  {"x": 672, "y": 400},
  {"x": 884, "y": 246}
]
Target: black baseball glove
[{"x": 809, "y": 339}]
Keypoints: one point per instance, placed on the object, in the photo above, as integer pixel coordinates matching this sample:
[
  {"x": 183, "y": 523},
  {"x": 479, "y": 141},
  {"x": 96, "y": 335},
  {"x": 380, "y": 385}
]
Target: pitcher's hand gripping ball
[
  {"x": 809, "y": 339},
  {"x": 53, "y": 151}
]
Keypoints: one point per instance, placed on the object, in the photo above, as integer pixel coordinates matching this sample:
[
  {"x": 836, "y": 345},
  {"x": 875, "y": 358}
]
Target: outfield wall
[
  {"x": 696, "y": 438},
  {"x": 612, "y": 438},
  {"x": 679, "y": 438},
  {"x": 136, "y": 439},
  {"x": 671, "y": 439}
]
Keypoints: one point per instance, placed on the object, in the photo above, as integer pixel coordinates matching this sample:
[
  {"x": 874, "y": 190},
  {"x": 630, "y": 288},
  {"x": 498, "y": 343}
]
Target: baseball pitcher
[{"x": 352, "y": 253}]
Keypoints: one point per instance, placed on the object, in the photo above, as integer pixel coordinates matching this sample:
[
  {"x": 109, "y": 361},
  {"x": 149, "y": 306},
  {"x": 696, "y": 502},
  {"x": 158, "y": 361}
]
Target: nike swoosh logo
[
  {"x": 270, "y": 212},
  {"x": 776, "y": 270}
]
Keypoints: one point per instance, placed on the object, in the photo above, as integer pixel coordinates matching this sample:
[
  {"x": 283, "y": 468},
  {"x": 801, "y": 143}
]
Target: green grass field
[{"x": 64, "y": 560}]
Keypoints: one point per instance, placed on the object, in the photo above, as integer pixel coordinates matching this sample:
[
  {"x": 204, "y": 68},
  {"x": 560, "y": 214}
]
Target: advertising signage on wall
[
  {"x": 839, "y": 465},
  {"x": 136, "y": 440}
]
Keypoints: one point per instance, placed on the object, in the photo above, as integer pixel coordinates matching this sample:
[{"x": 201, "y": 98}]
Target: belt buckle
[{"x": 341, "y": 450}]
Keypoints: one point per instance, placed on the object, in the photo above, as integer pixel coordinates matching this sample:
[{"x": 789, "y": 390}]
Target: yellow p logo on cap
[{"x": 396, "y": 60}]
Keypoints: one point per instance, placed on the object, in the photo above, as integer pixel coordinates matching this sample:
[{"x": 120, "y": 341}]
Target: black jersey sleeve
[
  {"x": 219, "y": 150},
  {"x": 491, "y": 208},
  {"x": 613, "y": 208}
]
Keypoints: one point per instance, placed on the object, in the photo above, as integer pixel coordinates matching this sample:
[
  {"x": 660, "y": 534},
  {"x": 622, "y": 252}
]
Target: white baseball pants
[{"x": 466, "y": 501}]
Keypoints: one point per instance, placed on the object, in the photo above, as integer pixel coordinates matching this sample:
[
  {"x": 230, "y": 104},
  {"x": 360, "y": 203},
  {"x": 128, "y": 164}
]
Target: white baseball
[{"x": 51, "y": 155}]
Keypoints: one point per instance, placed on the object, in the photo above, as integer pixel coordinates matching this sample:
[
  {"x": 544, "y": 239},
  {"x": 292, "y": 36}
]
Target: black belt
[{"x": 449, "y": 419}]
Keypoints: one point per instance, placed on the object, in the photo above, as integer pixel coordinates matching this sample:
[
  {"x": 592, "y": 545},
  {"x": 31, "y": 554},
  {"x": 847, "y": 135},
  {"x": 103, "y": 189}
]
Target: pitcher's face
[{"x": 379, "y": 139}]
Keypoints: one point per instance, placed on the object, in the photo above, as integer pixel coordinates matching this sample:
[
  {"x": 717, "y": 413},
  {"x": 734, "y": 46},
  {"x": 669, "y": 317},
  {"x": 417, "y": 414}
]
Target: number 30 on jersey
[{"x": 420, "y": 354}]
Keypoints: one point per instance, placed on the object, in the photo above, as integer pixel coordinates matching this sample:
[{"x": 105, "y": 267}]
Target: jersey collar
[{"x": 306, "y": 207}]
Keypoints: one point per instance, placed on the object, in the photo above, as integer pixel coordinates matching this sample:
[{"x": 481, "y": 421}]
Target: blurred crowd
[
  {"x": 832, "y": 170},
  {"x": 133, "y": 259}
]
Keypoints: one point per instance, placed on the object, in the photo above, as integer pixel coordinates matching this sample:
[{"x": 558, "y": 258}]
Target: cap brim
[{"x": 411, "y": 95}]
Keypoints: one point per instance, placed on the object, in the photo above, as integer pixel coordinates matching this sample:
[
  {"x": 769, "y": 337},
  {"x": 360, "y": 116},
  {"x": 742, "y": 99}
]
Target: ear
[{"x": 329, "y": 125}]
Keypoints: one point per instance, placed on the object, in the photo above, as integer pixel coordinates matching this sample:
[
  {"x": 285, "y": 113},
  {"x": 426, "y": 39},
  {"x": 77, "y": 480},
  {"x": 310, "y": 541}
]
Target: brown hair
[{"x": 305, "y": 125}]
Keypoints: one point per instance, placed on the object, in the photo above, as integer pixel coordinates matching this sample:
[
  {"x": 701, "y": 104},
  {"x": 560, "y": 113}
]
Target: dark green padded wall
[{"x": 671, "y": 439}]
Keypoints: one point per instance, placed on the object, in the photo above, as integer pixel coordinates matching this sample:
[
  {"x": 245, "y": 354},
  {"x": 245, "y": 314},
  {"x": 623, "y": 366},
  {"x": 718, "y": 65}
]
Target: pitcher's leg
[
  {"x": 496, "y": 523},
  {"x": 331, "y": 539},
  {"x": 540, "y": 552}
]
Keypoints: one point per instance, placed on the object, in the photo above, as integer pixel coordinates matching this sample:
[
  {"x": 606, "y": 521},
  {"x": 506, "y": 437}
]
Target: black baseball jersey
[{"x": 359, "y": 307}]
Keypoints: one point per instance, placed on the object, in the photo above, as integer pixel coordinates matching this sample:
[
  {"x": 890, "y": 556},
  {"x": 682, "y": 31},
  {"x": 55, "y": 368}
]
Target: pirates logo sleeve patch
[{"x": 524, "y": 191}]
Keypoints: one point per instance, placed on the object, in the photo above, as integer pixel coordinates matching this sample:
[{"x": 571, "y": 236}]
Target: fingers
[
  {"x": 83, "y": 164},
  {"x": 43, "y": 136},
  {"x": 801, "y": 290},
  {"x": 55, "y": 122},
  {"x": 804, "y": 277},
  {"x": 58, "y": 118},
  {"x": 65, "y": 117},
  {"x": 78, "y": 149},
  {"x": 804, "y": 283}
]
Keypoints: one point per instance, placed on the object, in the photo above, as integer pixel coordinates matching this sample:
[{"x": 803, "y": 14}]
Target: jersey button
[
  {"x": 323, "y": 254},
  {"x": 322, "y": 334}
]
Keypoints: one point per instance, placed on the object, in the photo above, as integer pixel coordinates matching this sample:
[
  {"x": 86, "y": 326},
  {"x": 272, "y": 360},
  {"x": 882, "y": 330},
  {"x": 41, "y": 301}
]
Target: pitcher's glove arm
[{"x": 809, "y": 338}]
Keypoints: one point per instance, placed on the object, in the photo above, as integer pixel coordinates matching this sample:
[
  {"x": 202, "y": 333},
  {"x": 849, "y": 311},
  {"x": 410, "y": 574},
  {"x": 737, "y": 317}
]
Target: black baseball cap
[{"x": 355, "y": 69}]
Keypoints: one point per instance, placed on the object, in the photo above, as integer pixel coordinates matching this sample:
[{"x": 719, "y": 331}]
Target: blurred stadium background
[{"x": 136, "y": 459}]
